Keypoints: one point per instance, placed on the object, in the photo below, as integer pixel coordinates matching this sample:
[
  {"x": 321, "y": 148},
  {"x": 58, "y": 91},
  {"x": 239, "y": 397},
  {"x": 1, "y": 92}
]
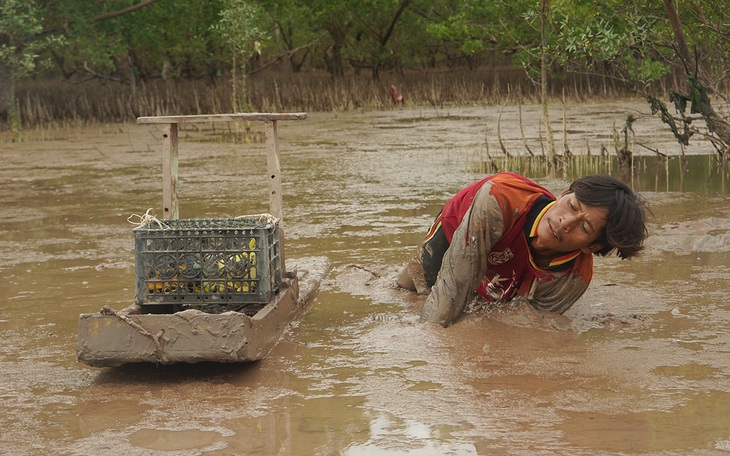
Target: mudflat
[{"x": 638, "y": 366}]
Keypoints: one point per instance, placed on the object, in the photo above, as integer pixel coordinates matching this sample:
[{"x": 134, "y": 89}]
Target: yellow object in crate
[{"x": 201, "y": 261}]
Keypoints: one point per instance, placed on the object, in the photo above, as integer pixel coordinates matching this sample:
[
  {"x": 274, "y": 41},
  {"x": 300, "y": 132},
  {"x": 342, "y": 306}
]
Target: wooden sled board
[{"x": 112, "y": 338}]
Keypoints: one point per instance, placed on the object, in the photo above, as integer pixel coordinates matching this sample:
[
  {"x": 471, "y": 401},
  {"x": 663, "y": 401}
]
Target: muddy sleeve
[
  {"x": 464, "y": 263},
  {"x": 557, "y": 295}
]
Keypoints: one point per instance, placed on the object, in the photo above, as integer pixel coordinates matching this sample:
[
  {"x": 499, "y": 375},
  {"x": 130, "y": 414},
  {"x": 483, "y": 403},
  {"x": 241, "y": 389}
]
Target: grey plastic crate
[{"x": 191, "y": 262}]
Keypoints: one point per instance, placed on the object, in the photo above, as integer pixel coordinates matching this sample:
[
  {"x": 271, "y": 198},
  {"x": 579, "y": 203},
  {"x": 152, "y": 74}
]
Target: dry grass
[{"x": 46, "y": 103}]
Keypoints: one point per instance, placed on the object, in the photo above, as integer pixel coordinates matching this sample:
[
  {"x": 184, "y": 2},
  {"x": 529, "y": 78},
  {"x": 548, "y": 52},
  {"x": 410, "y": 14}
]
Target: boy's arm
[
  {"x": 464, "y": 263},
  {"x": 559, "y": 294}
]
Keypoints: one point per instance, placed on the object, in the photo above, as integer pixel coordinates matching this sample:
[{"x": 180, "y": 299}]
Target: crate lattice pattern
[{"x": 206, "y": 261}]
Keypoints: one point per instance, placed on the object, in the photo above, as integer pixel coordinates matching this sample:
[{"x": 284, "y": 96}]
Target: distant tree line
[{"x": 131, "y": 42}]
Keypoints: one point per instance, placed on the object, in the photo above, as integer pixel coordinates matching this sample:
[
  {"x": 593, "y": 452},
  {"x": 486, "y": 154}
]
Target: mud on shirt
[{"x": 487, "y": 227}]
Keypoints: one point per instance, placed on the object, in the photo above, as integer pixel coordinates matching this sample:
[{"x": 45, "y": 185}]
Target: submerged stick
[
  {"x": 499, "y": 130},
  {"x": 522, "y": 131}
]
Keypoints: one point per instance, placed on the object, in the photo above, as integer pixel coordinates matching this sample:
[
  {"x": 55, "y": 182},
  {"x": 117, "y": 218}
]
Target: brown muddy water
[{"x": 640, "y": 365}]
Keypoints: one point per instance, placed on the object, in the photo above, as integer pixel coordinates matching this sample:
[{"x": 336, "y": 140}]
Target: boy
[{"x": 506, "y": 237}]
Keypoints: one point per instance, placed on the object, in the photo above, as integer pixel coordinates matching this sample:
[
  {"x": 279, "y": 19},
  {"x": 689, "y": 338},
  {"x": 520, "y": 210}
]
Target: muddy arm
[
  {"x": 557, "y": 295},
  {"x": 464, "y": 264}
]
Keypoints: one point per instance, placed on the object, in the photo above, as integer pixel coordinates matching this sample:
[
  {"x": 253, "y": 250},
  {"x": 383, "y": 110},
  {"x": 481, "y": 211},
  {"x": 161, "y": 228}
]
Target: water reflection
[
  {"x": 688, "y": 174},
  {"x": 694, "y": 174},
  {"x": 391, "y": 436}
]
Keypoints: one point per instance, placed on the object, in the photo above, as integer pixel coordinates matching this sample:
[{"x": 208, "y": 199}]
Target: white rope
[
  {"x": 145, "y": 220},
  {"x": 148, "y": 219}
]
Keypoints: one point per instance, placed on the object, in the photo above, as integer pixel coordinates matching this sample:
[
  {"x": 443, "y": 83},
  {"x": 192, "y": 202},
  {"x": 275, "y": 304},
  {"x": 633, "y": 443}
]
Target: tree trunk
[
  {"x": 698, "y": 93},
  {"x": 679, "y": 38},
  {"x": 7, "y": 92},
  {"x": 544, "y": 81},
  {"x": 234, "y": 84},
  {"x": 385, "y": 38},
  {"x": 333, "y": 57}
]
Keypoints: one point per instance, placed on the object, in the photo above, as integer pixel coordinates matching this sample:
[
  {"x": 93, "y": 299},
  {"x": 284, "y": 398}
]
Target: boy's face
[{"x": 570, "y": 225}]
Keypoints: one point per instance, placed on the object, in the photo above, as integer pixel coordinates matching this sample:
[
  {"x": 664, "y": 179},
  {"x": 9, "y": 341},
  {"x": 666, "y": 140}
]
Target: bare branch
[
  {"x": 682, "y": 48},
  {"x": 94, "y": 75},
  {"x": 723, "y": 32},
  {"x": 281, "y": 56},
  {"x": 122, "y": 12}
]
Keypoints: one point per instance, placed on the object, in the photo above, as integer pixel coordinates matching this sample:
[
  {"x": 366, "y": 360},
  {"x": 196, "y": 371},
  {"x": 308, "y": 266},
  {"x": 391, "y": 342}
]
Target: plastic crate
[{"x": 191, "y": 262}]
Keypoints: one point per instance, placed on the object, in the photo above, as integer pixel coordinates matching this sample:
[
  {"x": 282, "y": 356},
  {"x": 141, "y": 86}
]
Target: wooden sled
[{"x": 162, "y": 335}]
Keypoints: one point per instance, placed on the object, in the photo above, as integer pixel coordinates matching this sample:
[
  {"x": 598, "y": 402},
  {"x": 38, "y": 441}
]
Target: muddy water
[{"x": 639, "y": 365}]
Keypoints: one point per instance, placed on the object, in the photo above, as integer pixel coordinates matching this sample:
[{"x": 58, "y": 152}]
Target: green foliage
[
  {"x": 470, "y": 27},
  {"x": 286, "y": 22},
  {"x": 629, "y": 41},
  {"x": 238, "y": 26},
  {"x": 645, "y": 71},
  {"x": 21, "y": 39},
  {"x": 160, "y": 40}
]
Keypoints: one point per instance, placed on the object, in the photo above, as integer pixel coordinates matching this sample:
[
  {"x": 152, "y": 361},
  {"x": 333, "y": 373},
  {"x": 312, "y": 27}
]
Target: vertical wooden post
[
  {"x": 170, "y": 209},
  {"x": 273, "y": 165}
]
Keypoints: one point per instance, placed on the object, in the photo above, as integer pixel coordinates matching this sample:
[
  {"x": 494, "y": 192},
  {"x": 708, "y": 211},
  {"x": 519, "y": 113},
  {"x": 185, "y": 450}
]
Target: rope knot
[{"x": 145, "y": 220}]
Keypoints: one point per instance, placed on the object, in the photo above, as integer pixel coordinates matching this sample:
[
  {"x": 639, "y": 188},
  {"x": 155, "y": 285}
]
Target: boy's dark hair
[{"x": 626, "y": 228}]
